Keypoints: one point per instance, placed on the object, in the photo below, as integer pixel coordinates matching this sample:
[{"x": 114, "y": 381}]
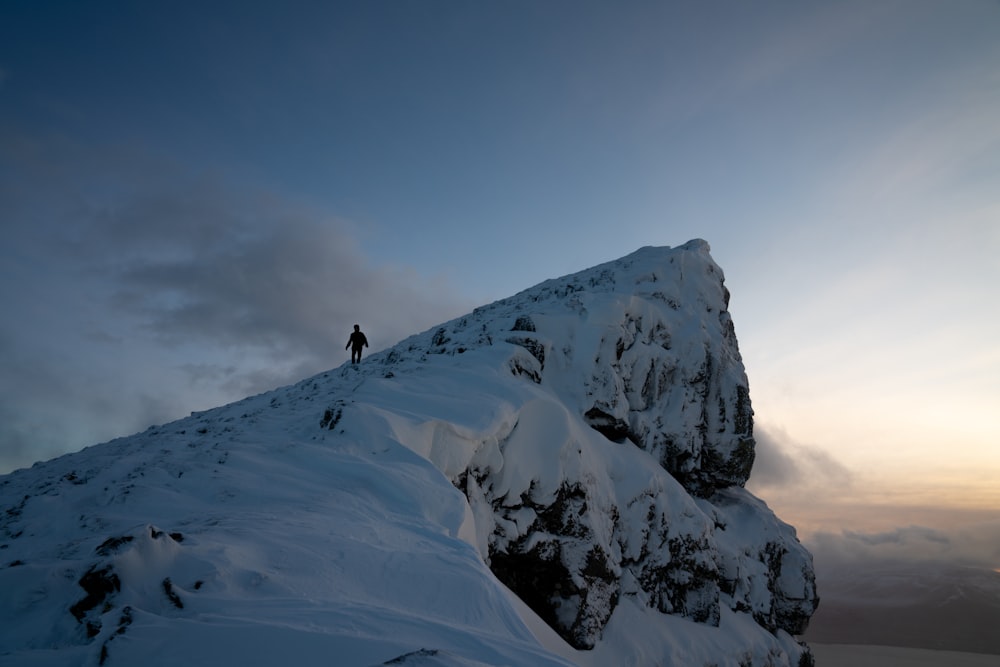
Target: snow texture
[{"x": 554, "y": 479}]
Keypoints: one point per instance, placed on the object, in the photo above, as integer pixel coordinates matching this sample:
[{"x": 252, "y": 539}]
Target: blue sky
[{"x": 198, "y": 202}]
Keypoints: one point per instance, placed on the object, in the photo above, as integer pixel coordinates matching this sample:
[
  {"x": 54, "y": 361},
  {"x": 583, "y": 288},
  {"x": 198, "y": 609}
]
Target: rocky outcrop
[{"x": 642, "y": 351}]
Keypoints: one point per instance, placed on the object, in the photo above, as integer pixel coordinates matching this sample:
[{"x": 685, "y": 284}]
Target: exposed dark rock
[
  {"x": 332, "y": 416},
  {"x": 536, "y": 349},
  {"x": 99, "y": 584},
  {"x": 523, "y": 323},
  {"x": 111, "y": 545},
  {"x": 124, "y": 621},
  {"x": 409, "y": 657},
  {"x": 73, "y": 478},
  {"x": 538, "y": 577},
  {"x": 566, "y": 578},
  {"x": 440, "y": 338},
  {"x": 168, "y": 589},
  {"x": 612, "y": 428},
  {"x": 527, "y": 368}
]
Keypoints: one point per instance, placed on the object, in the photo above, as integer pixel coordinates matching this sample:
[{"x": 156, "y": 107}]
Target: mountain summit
[{"x": 553, "y": 479}]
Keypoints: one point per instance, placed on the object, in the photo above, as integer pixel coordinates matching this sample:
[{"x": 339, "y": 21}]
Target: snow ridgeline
[{"x": 583, "y": 443}]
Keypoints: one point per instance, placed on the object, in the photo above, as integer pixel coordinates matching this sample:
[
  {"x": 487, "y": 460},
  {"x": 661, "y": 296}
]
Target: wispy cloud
[
  {"x": 899, "y": 536},
  {"x": 785, "y": 466},
  {"x": 196, "y": 257},
  {"x": 237, "y": 270},
  {"x": 769, "y": 47},
  {"x": 947, "y": 142},
  {"x": 801, "y": 41}
]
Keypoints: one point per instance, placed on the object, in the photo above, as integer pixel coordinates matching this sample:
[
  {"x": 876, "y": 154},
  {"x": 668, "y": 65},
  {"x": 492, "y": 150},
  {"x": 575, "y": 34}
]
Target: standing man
[{"x": 356, "y": 342}]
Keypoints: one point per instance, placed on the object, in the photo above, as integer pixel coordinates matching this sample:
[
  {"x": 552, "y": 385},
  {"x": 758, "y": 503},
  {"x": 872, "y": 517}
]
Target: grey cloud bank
[{"x": 169, "y": 293}]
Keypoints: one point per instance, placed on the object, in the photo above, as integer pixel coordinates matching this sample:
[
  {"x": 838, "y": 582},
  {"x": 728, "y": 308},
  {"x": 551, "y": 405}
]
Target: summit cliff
[{"x": 582, "y": 444}]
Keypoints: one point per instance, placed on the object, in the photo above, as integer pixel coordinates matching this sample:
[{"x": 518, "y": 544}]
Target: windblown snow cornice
[{"x": 585, "y": 442}]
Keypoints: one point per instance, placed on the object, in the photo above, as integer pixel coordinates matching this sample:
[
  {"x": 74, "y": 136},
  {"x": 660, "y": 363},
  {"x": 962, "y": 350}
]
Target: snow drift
[{"x": 554, "y": 479}]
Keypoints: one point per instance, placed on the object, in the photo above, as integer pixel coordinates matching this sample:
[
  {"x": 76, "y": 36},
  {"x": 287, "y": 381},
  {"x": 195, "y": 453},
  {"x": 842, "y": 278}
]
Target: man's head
[{"x": 357, "y": 328}]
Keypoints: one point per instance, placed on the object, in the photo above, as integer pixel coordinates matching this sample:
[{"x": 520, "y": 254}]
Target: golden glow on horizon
[
  {"x": 821, "y": 516},
  {"x": 876, "y": 501}
]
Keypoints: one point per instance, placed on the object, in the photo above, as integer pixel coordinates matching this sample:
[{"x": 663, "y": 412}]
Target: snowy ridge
[{"x": 582, "y": 444}]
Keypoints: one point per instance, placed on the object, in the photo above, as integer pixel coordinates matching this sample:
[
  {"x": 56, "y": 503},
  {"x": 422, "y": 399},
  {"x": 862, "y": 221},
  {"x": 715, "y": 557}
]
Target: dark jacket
[{"x": 357, "y": 340}]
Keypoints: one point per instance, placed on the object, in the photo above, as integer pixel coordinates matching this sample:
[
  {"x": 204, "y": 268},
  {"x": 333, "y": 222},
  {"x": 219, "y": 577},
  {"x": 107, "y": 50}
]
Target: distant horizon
[{"x": 852, "y": 655}]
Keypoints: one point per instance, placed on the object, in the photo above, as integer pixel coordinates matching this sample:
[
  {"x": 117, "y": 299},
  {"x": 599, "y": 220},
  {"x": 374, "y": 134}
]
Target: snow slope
[{"x": 583, "y": 443}]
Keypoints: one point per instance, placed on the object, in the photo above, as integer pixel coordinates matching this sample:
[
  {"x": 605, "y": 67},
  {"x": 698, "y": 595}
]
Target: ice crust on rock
[{"x": 584, "y": 442}]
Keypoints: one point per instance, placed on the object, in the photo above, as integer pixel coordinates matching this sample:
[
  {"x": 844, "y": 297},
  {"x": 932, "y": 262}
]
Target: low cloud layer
[
  {"x": 844, "y": 521},
  {"x": 974, "y": 541},
  {"x": 783, "y": 466}
]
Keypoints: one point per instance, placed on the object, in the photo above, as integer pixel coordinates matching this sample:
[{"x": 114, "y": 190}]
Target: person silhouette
[{"x": 356, "y": 342}]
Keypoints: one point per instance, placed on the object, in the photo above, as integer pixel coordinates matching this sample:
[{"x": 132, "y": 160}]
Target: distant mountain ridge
[{"x": 584, "y": 443}]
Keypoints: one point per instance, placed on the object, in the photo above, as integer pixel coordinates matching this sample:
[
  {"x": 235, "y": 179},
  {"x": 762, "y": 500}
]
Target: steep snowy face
[
  {"x": 625, "y": 451},
  {"x": 584, "y": 442},
  {"x": 643, "y": 349},
  {"x": 654, "y": 349}
]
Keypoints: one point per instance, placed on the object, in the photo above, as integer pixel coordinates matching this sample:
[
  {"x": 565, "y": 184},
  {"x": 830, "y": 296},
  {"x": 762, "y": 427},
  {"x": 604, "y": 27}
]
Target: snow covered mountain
[{"x": 554, "y": 479}]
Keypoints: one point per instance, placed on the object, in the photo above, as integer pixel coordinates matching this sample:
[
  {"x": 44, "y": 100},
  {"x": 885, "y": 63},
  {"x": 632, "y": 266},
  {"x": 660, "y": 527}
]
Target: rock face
[
  {"x": 588, "y": 437},
  {"x": 643, "y": 351}
]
